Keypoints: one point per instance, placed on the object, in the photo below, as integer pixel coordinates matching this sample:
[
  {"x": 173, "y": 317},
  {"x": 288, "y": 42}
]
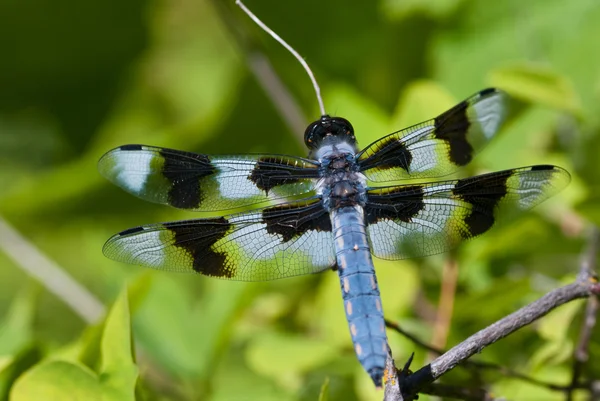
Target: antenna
[{"x": 290, "y": 49}]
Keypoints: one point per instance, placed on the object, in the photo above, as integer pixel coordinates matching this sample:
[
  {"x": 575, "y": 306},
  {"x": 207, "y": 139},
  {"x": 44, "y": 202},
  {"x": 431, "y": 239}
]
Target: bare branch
[
  {"x": 477, "y": 342},
  {"x": 478, "y": 364},
  {"x": 54, "y": 278},
  {"x": 280, "y": 96},
  {"x": 391, "y": 380},
  {"x": 461, "y": 393},
  {"x": 396, "y": 327},
  {"x": 586, "y": 272},
  {"x": 445, "y": 308},
  {"x": 516, "y": 375}
]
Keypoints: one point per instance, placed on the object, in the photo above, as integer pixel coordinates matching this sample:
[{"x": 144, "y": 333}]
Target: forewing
[
  {"x": 280, "y": 241},
  {"x": 439, "y": 146},
  {"x": 200, "y": 182},
  {"x": 425, "y": 219}
]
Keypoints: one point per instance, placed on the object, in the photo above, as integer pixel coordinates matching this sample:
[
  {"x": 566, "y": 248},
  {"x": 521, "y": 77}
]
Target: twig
[
  {"x": 396, "y": 327},
  {"x": 516, "y": 375},
  {"x": 478, "y": 364},
  {"x": 462, "y": 393},
  {"x": 586, "y": 272},
  {"x": 445, "y": 308},
  {"x": 477, "y": 342},
  {"x": 54, "y": 278},
  {"x": 281, "y": 98},
  {"x": 392, "y": 390},
  {"x": 594, "y": 390}
]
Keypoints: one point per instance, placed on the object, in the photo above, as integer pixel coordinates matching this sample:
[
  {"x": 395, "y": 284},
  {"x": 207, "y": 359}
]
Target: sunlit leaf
[
  {"x": 118, "y": 370},
  {"x": 16, "y": 327},
  {"x": 285, "y": 357},
  {"x": 537, "y": 84},
  {"x": 400, "y": 9},
  {"x": 324, "y": 394},
  {"x": 555, "y": 326},
  {"x": 551, "y": 353},
  {"x": 58, "y": 380},
  {"x": 421, "y": 101},
  {"x": 368, "y": 120}
]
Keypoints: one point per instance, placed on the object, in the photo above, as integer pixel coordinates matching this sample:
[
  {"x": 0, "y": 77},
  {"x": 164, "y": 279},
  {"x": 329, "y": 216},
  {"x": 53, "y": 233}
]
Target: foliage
[{"x": 80, "y": 78}]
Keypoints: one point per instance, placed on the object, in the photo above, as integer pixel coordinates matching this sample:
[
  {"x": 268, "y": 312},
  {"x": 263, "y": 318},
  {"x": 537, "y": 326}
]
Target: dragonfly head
[{"x": 329, "y": 130}]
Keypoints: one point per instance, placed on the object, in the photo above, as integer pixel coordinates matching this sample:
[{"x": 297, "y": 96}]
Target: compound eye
[
  {"x": 311, "y": 134},
  {"x": 327, "y": 127}
]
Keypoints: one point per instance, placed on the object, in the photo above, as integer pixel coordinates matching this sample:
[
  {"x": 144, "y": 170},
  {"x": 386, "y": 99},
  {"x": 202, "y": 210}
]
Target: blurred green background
[{"x": 79, "y": 78}]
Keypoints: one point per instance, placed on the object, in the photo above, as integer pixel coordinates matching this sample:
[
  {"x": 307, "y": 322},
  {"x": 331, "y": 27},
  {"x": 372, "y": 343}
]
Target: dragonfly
[{"x": 329, "y": 211}]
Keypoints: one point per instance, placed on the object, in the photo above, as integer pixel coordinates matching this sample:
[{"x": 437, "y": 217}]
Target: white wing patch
[
  {"x": 146, "y": 248},
  {"x": 235, "y": 184},
  {"x": 424, "y": 155},
  {"x": 490, "y": 113},
  {"x": 131, "y": 169}
]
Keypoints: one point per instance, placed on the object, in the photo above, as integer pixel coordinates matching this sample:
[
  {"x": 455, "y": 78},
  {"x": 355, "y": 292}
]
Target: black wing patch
[
  {"x": 279, "y": 241},
  {"x": 425, "y": 219},
  {"x": 437, "y": 147},
  {"x": 201, "y": 182}
]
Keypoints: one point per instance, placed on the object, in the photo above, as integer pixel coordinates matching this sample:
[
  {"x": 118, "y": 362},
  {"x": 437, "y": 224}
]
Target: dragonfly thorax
[{"x": 342, "y": 184}]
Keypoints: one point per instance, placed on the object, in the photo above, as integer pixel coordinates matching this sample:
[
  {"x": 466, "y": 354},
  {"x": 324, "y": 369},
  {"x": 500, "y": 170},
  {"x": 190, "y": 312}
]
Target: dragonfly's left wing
[
  {"x": 280, "y": 241},
  {"x": 425, "y": 219},
  {"x": 200, "y": 182},
  {"x": 439, "y": 146}
]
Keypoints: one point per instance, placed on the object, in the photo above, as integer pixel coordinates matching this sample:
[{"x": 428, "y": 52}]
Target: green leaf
[
  {"x": 488, "y": 36},
  {"x": 537, "y": 84},
  {"x": 369, "y": 121},
  {"x": 420, "y": 101},
  {"x": 551, "y": 353},
  {"x": 324, "y": 394},
  {"x": 327, "y": 315},
  {"x": 184, "y": 335},
  {"x": 589, "y": 208},
  {"x": 285, "y": 357},
  {"x": 11, "y": 367},
  {"x": 118, "y": 370},
  {"x": 71, "y": 380},
  {"x": 87, "y": 348},
  {"x": 555, "y": 326},
  {"x": 15, "y": 330},
  {"x": 138, "y": 289},
  {"x": 58, "y": 380},
  {"x": 5, "y": 361},
  {"x": 511, "y": 389},
  {"x": 401, "y": 9}
]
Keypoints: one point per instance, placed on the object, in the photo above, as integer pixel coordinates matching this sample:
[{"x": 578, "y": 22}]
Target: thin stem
[
  {"x": 477, "y": 342},
  {"x": 477, "y": 364},
  {"x": 54, "y": 278},
  {"x": 586, "y": 272},
  {"x": 445, "y": 308},
  {"x": 259, "y": 65},
  {"x": 396, "y": 327},
  {"x": 290, "y": 49}
]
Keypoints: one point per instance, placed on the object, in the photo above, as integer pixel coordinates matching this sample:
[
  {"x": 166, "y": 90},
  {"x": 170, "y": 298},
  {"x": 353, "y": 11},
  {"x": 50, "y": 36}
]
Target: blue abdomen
[{"x": 359, "y": 289}]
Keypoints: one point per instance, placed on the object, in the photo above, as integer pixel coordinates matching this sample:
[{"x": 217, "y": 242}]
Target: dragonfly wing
[
  {"x": 425, "y": 219},
  {"x": 280, "y": 241},
  {"x": 201, "y": 182}
]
